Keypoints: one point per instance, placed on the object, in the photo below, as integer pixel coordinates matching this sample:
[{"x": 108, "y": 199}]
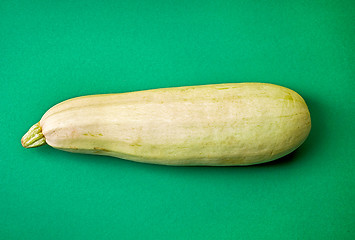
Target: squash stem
[{"x": 34, "y": 137}]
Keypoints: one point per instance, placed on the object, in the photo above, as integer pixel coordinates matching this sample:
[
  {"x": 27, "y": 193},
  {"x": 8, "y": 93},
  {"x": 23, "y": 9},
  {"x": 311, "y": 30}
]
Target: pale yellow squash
[{"x": 215, "y": 125}]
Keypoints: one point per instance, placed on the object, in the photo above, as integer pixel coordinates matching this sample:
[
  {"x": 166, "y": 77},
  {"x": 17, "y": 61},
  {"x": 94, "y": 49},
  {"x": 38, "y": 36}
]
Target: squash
[{"x": 213, "y": 125}]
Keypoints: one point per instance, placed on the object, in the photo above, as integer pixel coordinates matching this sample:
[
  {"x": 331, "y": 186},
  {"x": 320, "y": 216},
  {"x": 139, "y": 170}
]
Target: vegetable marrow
[{"x": 213, "y": 125}]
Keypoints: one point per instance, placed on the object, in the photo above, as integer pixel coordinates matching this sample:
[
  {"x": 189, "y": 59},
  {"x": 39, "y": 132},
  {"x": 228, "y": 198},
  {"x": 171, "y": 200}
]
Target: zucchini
[{"x": 214, "y": 125}]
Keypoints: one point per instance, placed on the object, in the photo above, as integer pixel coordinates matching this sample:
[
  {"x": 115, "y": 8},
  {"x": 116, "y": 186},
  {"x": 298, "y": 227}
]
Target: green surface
[{"x": 54, "y": 50}]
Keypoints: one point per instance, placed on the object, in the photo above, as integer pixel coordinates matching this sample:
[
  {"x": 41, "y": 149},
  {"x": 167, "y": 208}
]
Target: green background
[{"x": 54, "y": 50}]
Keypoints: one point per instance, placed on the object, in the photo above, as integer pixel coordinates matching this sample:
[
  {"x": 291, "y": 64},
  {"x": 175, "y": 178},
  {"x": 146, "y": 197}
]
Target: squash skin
[{"x": 213, "y": 125}]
